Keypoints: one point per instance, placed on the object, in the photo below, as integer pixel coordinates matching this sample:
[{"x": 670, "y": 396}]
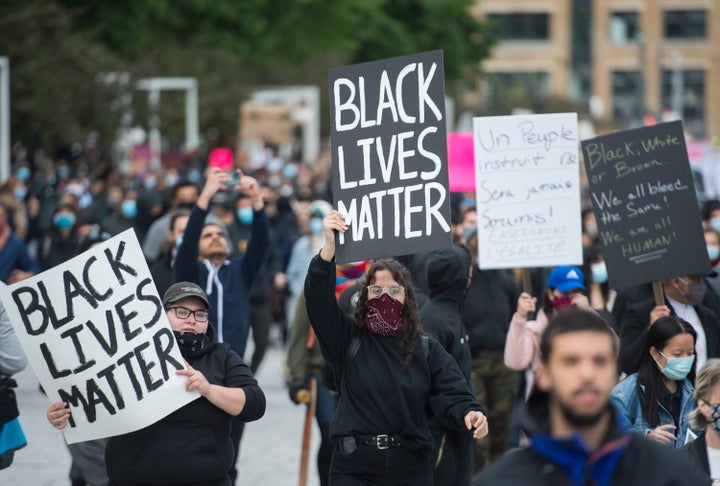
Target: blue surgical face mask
[
  {"x": 20, "y": 193},
  {"x": 316, "y": 226},
  {"x": 178, "y": 241},
  {"x": 713, "y": 252},
  {"x": 64, "y": 220},
  {"x": 23, "y": 173},
  {"x": 599, "y": 272},
  {"x": 290, "y": 170},
  {"x": 129, "y": 208},
  {"x": 677, "y": 368},
  {"x": 194, "y": 176},
  {"x": 715, "y": 223},
  {"x": 245, "y": 215},
  {"x": 63, "y": 171}
]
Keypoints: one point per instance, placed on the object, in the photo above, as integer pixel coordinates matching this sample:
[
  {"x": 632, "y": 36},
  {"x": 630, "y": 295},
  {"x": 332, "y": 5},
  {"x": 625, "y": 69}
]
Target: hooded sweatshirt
[
  {"x": 192, "y": 445},
  {"x": 447, "y": 279}
]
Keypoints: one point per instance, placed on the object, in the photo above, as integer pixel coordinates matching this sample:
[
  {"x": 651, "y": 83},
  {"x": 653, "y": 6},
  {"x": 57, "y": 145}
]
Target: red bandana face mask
[{"x": 384, "y": 315}]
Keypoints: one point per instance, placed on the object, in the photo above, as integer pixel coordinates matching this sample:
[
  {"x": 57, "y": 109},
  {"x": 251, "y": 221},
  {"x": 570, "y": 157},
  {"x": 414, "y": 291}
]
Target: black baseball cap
[{"x": 182, "y": 290}]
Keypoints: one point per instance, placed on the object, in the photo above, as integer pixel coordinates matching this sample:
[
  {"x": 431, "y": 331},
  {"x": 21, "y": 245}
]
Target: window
[
  {"x": 520, "y": 26},
  {"x": 623, "y": 27},
  {"x": 692, "y": 97},
  {"x": 627, "y": 95},
  {"x": 685, "y": 24}
]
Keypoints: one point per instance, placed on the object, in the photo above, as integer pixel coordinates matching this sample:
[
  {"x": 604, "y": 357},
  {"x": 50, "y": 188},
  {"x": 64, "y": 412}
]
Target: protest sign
[
  {"x": 389, "y": 154},
  {"x": 527, "y": 190},
  {"x": 461, "y": 162},
  {"x": 645, "y": 204},
  {"x": 96, "y": 335}
]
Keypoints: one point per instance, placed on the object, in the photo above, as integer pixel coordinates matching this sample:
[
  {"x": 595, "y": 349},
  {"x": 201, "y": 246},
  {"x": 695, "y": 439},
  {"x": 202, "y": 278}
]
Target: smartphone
[{"x": 234, "y": 179}]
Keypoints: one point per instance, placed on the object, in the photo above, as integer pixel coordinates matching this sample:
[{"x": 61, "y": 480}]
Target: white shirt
[
  {"x": 688, "y": 313},
  {"x": 714, "y": 460}
]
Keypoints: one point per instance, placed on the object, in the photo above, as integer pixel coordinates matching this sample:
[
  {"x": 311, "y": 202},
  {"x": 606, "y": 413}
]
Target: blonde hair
[{"x": 707, "y": 378}]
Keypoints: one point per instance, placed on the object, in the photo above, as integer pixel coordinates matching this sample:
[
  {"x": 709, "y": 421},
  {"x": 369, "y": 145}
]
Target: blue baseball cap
[{"x": 566, "y": 278}]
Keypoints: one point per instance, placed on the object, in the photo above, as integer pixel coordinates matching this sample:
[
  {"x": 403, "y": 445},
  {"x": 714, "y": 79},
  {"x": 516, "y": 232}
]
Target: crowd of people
[{"x": 429, "y": 370}]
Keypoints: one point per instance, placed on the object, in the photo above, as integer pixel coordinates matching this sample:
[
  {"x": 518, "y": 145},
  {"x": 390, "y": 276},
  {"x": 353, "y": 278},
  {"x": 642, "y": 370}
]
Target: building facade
[{"x": 626, "y": 60}]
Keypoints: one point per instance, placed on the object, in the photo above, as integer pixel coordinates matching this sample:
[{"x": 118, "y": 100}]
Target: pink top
[{"x": 522, "y": 344}]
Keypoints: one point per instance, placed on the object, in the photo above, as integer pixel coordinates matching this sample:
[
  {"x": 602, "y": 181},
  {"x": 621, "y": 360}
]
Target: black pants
[
  {"x": 367, "y": 465},
  {"x": 452, "y": 458},
  {"x": 237, "y": 427}
]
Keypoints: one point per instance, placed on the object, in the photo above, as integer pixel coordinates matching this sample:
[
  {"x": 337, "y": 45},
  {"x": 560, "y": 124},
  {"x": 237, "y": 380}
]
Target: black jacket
[
  {"x": 695, "y": 453},
  {"x": 489, "y": 306},
  {"x": 636, "y": 320},
  {"x": 639, "y": 461},
  {"x": 192, "y": 445},
  {"x": 378, "y": 395}
]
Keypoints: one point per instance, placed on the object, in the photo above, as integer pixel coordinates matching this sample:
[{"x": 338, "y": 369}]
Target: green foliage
[{"x": 57, "y": 47}]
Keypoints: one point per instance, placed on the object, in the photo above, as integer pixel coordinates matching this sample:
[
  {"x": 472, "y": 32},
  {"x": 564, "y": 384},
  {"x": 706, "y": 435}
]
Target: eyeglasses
[
  {"x": 377, "y": 290},
  {"x": 200, "y": 315}
]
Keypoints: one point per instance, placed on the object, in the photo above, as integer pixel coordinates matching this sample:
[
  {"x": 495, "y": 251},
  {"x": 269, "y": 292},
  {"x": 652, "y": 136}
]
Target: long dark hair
[
  {"x": 410, "y": 329},
  {"x": 649, "y": 375}
]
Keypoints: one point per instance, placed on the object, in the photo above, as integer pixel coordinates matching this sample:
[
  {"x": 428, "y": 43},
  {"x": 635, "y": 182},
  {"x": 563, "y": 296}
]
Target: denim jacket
[{"x": 626, "y": 401}]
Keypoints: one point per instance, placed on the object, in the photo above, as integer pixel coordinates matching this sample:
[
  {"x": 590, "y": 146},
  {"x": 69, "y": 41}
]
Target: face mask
[
  {"x": 191, "y": 344},
  {"x": 194, "y": 176},
  {"x": 468, "y": 232},
  {"x": 171, "y": 180},
  {"x": 20, "y": 193},
  {"x": 63, "y": 171},
  {"x": 129, "y": 208},
  {"x": 677, "y": 368},
  {"x": 290, "y": 171},
  {"x": 561, "y": 303},
  {"x": 384, "y": 315},
  {"x": 23, "y": 173},
  {"x": 715, "y": 223},
  {"x": 178, "y": 241},
  {"x": 714, "y": 416},
  {"x": 64, "y": 220},
  {"x": 591, "y": 229},
  {"x": 316, "y": 226},
  {"x": 696, "y": 292},
  {"x": 149, "y": 183},
  {"x": 713, "y": 252},
  {"x": 85, "y": 200},
  {"x": 599, "y": 272},
  {"x": 245, "y": 215}
]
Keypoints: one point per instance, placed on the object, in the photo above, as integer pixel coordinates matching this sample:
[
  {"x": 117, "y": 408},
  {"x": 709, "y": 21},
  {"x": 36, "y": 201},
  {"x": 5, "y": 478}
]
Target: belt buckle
[{"x": 382, "y": 441}]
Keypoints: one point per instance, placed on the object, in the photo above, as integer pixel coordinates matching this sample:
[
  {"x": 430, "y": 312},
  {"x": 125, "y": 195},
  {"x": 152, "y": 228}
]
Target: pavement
[{"x": 269, "y": 452}]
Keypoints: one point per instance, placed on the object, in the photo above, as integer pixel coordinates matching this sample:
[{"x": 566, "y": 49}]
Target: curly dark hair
[{"x": 410, "y": 329}]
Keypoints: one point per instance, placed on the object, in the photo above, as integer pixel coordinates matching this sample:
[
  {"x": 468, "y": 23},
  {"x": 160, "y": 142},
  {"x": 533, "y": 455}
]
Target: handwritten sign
[
  {"x": 390, "y": 176},
  {"x": 645, "y": 204},
  {"x": 527, "y": 190},
  {"x": 96, "y": 335}
]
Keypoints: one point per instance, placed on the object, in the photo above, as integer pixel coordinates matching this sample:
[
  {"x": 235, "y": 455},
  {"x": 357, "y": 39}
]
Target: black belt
[{"x": 382, "y": 441}]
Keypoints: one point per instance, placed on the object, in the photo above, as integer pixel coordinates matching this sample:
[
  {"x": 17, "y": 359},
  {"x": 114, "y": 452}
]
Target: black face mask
[{"x": 191, "y": 344}]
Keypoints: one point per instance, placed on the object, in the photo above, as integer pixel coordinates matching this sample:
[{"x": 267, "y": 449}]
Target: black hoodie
[
  {"x": 192, "y": 445},
  {"x": 447, "y": 279}
]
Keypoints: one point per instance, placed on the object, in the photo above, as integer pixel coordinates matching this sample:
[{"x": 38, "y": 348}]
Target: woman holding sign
[
  {"x": 191, "y": 445},
  {"x": 390, "y": 375}
]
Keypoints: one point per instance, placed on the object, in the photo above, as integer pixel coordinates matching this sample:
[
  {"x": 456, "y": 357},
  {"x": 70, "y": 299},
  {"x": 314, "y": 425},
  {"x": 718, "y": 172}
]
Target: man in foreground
[{"x": 575, "y": 438}]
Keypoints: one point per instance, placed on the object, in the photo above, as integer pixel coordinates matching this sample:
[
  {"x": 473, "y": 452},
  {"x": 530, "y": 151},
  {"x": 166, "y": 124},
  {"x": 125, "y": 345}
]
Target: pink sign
[
  {"x": 221, "y": 158},
  {"x": 461, "y": 162}
]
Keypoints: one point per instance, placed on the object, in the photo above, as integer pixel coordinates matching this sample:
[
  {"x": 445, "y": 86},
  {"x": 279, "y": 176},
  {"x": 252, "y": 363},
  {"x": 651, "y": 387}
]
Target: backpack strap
[
  {"x": 426, "y": 346},
  {"x": 349, "y": 357}
]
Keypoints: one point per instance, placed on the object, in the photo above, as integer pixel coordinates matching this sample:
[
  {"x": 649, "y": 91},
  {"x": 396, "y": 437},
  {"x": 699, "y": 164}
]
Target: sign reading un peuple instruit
[
  {"x": 645, "y": 204},
  {"x": 389, "y": 155}
]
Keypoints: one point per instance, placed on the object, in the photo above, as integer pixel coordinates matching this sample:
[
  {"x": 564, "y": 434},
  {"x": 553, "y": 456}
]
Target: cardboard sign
[
  {"x": 389, "y": 153},
  {"x": 645, "y": 204},
  {"x": 528, "y": 190},
  {"x": 97, "y": 337}
]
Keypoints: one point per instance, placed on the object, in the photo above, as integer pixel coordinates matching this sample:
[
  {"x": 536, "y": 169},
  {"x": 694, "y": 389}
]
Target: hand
[
  {"x": 526, "y": 305},
  {"x": 298, "y": 393},
  {"x": 215, "y": 180},
  {"x": 18, "y": 275},
  {"x": 249, "y": 186},
  {"x": 195, "y": 380},
  {"x": 658, "y": 312},
  {"x": 58, "y": 414},
  {"x": 663, "y": 434},
  {"x": 478, "y": 421},
  {"x": 332, "y": 222},
  {"x": 580, "y": 301}
]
